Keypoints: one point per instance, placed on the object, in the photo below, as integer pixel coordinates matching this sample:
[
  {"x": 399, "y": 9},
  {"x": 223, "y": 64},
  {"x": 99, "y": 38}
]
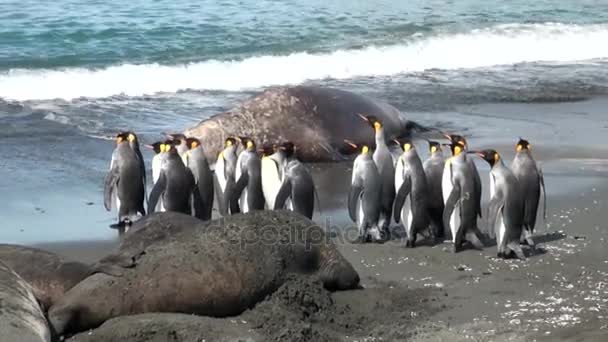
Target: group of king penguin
[
  {"x": 442, "y": 196},
  {"x": 244, "y": 179}
]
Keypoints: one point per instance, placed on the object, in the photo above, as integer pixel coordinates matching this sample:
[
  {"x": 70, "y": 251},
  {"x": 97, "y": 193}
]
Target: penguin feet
[
  {"x": 410, "y": 243},
  {"x": 457, "y": 248}
]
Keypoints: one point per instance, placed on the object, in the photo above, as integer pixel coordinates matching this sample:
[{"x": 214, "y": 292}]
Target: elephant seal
[
  {"x": 217, "y": 268},
  {"x": 49, "y": 274},
  {"x": 316, "y": 119},
  {"x": 21, "y": 318}
]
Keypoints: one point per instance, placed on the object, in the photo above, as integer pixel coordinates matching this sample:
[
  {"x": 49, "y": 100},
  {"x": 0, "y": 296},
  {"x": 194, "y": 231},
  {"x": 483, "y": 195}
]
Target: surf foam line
[{"x": 498, "y": 45}]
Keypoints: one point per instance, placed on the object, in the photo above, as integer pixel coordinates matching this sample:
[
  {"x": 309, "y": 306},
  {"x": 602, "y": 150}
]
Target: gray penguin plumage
[
  {"x": 248, "y": 194},
  {"x": 225, "y": 174},
  {"x": 125, "y": 182},
  {"x": 411, "y": 201},
  {"x": 506, "y": 209},
  {"x": 298, "y": 185},
  {"x": 203, "y": 179},
  {"x": 175, "y": 185},
  {"x": 532, "y": 181},
  {"x": 433, "y": 168},
  {"x": 386, "y": 168},
  {"x": 464, "y": 195},
  {"x": 364, "y": 196}
]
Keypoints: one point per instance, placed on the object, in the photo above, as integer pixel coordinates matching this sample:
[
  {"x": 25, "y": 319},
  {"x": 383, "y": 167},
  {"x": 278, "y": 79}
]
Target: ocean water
[{"x": 72, "y": 73}]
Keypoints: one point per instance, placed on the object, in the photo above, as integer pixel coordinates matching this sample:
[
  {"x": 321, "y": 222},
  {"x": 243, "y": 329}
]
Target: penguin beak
[
  {"x": 149, "y": 146},
  {"x": 449, "y": 137},
  {"x": 350, "y": 143},
  {"x": 363, "y": 117}
]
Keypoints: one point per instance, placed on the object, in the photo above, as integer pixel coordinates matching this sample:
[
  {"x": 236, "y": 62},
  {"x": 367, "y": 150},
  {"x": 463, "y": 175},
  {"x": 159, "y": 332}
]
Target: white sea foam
[{"x": 498, "y": 45}]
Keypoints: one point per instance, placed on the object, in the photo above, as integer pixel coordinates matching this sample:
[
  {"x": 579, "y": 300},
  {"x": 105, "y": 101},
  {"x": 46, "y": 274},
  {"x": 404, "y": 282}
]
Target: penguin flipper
[
  {"x": 402, "y": 194},
  {"x": 496, "y": 203},
  {"x": 109, "y": 186},
  {"x": 450, "y": 204},
  {"x": 237, "y": 191},
  {"x": 197, "y": 204},
  {"x": 282, "y": 195},
  {"x": 157, "y": 191},
  {"x": 477, "y": 180},
  {"x": 353, "y": 198}
]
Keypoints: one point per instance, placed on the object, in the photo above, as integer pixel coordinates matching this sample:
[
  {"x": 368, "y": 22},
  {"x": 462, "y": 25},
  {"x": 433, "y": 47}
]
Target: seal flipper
[
  {"x": 157, "y": 191},
  {"x": 282, "y": 195},
  {"x": 402, "y": 194}
]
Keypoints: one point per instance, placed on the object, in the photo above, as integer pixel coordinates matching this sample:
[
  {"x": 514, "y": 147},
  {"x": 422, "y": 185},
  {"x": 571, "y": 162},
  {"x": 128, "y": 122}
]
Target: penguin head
[
  {"x": 523, "y": 144},
  {"x": 288, "y": 148},
  {"x": 168, "y": 146},
  {"x": 248, "y": 143},
  {"x": 456, "y": 148},
  {"x": 457, "y": 139},
  {"x": 126, "y": 136},
  {"x": 365, "y": 150},
  {"x": 490, "y": 155},
  {"x": 230, "y": 141},
  {"x": 155, "y": 147},
  {"x": 373, "y": 121},
  {"x": 405, "y": 144},
  {"x": 193, "y": 143},
  {"x": 177, "y": 137},
  {"x": 434, "y": 147},
  {"x": 268, "y": 149}
]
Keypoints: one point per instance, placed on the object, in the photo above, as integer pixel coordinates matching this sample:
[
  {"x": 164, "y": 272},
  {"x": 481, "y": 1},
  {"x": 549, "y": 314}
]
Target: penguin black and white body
[
  {"x": 462, "y": 198},
  {"x": 411, "y": 201},
  {"x": 532, "y": 181},
  {"x": 125, "y": 182},
  {"x": 203, "y": 178},
  {"x": 248, "y": 194},
  {"x": 273, "y": 162},
  {"x": 433, "y": 168},
  {"x": 180, "y": 142},
  {"x": 386, "y": 167},
  {"x": 156, "y": 164},
  {"x": 298, "y": 185},
  {"x": 225, "y": 173},
  {"x": 447, "y": 184},
  {"x": 175, "y": 185},
  {"x": 364, "y": 197},
  {"x": 506, "y": 210}
]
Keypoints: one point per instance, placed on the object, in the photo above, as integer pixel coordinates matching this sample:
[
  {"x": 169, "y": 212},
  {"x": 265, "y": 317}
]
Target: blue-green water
[{"x": 73, "y": 72}]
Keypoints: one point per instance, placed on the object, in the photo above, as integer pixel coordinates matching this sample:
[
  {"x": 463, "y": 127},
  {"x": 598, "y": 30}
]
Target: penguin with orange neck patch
[
  {"x": 463, "y": 189},
  {"x": 225, "y": 173},
  {"x": 532, "y": 182},
  {"x": 411, "y": 201},
  {"x": 365, "y": 194},
  {"x": 433, "y": 168},
  {"x": 203, "y": 178},
  {"x": 248, "y": 194},
  {"x": 297, "y": 186},
  {"x": 506, "y": 209}
]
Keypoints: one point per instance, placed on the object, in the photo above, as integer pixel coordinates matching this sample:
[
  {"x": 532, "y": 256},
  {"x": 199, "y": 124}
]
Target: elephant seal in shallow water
[
  {"x": 218, "y": 268},
  {"x": 49, "y": 274},
  {"x": 21, "y": 318},
  {"x": 316, "y": 119}
]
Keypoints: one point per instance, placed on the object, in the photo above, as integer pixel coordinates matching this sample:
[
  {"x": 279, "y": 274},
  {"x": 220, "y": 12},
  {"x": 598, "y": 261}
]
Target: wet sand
[{"x": 560, "y": 293}]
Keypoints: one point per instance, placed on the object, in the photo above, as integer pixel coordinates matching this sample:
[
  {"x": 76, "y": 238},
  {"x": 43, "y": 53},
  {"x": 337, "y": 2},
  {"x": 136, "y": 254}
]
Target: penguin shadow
[
  {"x": 539, "y": 241},
  {"x": 398, "y": 235}
]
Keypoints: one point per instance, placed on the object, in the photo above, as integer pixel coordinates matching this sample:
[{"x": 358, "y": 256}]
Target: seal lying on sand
[
  {"x": 49, "y": 274},
  {"x": 218, "y": 268},
  {"x": 21, "y": 318},
  {"x": 316, "y": 119}
]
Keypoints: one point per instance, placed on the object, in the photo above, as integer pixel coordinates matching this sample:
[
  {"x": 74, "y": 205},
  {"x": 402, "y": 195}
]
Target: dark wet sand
[{"x": 559, "y": 294}]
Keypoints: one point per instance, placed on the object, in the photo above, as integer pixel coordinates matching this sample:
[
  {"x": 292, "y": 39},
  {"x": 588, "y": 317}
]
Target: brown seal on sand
[
  {"x": 171, "y": 262},
  {"x": 49, "y": 274}
]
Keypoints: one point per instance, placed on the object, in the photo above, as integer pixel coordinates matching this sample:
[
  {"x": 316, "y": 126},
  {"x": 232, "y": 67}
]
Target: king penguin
[
  {"x": 411, "y": 201},
  {"x": 125, "y": 182},
  {"x": 181, "y": 144},
  {"x": 156, "y": 164},
  {"x": 203, "y": 178},
  {"x": 463, "y": 196},
  {"x": 225, "y": 173},
  {"x": 175, "y": 185},
  {"x": 447, "y": 184},
  {"x": 273, "y": 163},
  {"x": 384, "y": 163},
  {"x": 532, "y": 181},
  {"x": 506, "y": 210},
  {"x": 364, "y": 196},
  {"x": 298, "y": 185},
  {"x": 248, "y": 194},
  {"x": 433, "y": 168}
]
